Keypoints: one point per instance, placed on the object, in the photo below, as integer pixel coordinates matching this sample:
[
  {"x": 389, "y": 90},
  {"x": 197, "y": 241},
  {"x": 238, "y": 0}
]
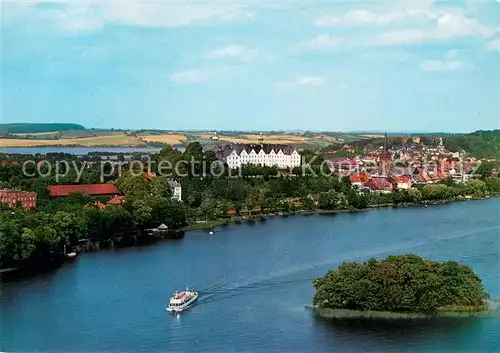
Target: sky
[{"x": 253, "y": 65}]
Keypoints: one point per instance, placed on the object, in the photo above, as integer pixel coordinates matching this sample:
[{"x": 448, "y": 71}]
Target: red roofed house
[
  {"x": 89, "y": 189},
  {"x": 403, "y": 182},
  {"x": 149, "y": 175},
  {"x": 379, "y": 184},
  {"x": 13, "y": 163},
  {"x": 359, "y": 179},
  {"x": 424, "y": 178},
  {"x": 13, "y": 197},
  {"x": 117, "y": 200}
]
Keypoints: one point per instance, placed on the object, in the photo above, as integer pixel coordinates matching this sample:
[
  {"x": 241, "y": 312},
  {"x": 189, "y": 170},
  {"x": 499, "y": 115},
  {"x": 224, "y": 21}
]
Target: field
[
  {"x": 118, "y": 139},
  {"x": 74, "y": 134},
  {"x": 111, "y": 138},
  {"x": 171, "y": 139}
]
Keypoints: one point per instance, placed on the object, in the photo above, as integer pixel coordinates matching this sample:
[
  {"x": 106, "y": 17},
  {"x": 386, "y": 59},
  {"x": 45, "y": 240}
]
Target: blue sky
[{"x": 250, "y": 65}]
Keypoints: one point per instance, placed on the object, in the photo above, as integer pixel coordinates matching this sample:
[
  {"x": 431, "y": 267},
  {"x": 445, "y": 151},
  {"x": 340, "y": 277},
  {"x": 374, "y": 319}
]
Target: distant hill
[
  {"x": 19, "y": 128},
  {"x": 480, "y": 144}
]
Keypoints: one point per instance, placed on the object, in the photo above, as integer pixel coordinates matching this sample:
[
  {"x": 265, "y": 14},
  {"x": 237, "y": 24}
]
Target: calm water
[{"x": 255, "y": 280}]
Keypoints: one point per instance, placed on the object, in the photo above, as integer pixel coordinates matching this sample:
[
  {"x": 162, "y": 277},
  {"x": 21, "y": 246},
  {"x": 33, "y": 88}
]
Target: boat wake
[
  {"x": 228, "y": 290},
  {"x": 224, "y": 290}
]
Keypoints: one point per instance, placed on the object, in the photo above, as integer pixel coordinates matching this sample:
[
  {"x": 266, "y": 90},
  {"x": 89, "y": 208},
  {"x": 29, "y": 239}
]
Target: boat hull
[{"x": 183, "y": 307}]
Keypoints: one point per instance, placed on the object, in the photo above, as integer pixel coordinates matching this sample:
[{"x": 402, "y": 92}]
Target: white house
[
  {"x": 403, "y": 182},
  {"x": 176, "y": 189},
  {"x": 282, "y": 156}
]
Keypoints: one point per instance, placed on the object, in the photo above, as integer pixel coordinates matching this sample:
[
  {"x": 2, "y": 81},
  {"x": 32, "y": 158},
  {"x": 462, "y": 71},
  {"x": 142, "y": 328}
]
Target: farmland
[
  {"x": 144, "y": 138},
  {"x": 118, "y": 139},
  {"x": 171, "y": 139}
]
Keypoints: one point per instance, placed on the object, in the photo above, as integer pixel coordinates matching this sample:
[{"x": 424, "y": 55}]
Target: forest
[{"x": 480, "y": 144}]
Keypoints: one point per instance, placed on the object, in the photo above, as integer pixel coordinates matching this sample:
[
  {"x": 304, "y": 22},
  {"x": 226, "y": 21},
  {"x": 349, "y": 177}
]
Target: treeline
[{"x": 28, "y": 128}]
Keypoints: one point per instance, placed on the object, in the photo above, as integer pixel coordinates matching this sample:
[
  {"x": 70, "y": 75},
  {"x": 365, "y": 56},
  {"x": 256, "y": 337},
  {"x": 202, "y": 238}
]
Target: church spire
[{"x": 386, "y": 143}]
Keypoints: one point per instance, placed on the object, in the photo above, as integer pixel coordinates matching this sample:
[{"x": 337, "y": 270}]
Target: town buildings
[
  {"x": 407, "y": 164},
  {"x": 281, "y": 156},
  {"x": 13, "y": 198}
]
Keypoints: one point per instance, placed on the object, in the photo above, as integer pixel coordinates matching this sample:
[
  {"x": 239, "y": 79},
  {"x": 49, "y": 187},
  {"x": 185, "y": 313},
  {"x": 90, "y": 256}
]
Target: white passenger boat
[{"x": 180, "y": 301}]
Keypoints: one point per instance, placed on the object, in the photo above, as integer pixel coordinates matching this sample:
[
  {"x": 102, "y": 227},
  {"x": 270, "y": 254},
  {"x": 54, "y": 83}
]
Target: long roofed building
[{"x": 282, "y": 156}]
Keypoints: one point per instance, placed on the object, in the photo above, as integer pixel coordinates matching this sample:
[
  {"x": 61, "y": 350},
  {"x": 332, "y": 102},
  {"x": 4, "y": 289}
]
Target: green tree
[
  {"x": 160, "y": 187},
  {"x": 68, "y": 226},
  {"x": 133, "y": 186},
  {"x": 252, "y": 200},
  {"x": 142, "y": 213}
]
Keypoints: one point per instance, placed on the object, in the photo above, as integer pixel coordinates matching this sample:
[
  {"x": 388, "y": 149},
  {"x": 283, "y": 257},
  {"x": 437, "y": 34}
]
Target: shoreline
[
  {"x": 223, "y": 222},
  {"x": 346, "y": 314},
  {"x": 212, "y": 225}
]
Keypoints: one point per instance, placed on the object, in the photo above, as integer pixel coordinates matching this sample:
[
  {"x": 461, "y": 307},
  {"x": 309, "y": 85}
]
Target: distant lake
[
  {"x": 80, "y": 151},
  {"x": 254, "y": 280}
]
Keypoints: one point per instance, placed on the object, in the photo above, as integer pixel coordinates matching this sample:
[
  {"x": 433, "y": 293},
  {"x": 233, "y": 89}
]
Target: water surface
[{"x": 254, "y": 280}]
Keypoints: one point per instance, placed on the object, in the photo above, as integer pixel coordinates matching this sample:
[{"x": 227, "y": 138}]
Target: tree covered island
[{"x": 402, "y": 286}]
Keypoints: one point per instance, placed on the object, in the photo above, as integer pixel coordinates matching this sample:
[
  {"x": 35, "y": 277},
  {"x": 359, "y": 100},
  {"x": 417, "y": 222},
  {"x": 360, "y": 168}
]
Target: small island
[{"x": 399, "y": 287}]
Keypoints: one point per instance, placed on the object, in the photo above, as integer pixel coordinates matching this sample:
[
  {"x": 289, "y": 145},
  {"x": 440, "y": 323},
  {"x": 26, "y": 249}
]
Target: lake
[{"x": 254, "y": 280}]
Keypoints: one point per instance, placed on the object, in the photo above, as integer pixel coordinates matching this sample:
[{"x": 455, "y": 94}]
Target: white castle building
[{"x": 282, "y": 156}]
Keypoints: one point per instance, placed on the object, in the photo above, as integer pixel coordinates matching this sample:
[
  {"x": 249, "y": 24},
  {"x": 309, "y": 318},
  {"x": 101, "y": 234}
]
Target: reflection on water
[{"x": 399, "y": 332}]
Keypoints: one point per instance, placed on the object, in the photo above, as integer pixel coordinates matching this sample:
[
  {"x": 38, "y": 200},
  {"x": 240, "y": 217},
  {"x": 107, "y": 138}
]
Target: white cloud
[
  {"x": 311, "y": 81},
  {"x": 413, "y": 25},
  {"x": 76, "y": 15},
  {"x": 171, "y": 14},
  {"x": 451, "y": 25},
  {"x": 362, "y": 17},
  {"x": 449, "y": 63},
  {"x": 237, "y": 52},
  {"x": 322, "y": 42},
  {"x": 442, "y": 65},
  {"x": 407, "y": 36},
  {"x": 494, "y": 45}
]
